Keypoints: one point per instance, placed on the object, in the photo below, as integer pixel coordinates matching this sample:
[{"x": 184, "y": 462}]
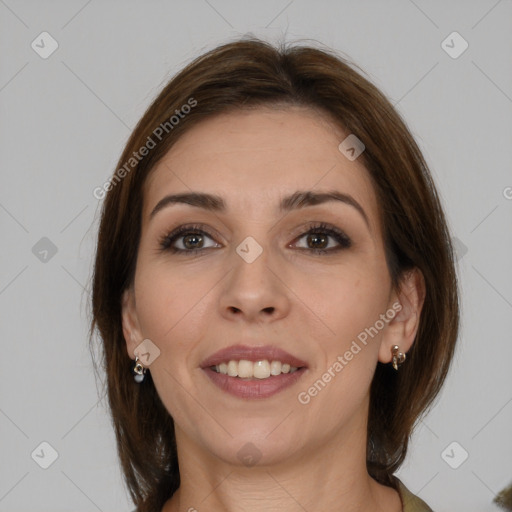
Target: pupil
[
  {"x": 192, "y": 237},
  {"x": 315, "y": 238}
]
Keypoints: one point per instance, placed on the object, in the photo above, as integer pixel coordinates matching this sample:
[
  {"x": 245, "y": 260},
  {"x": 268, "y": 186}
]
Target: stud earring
[
  {"x": 139, "y": 372},
  {"x": 398, "y": 357}
]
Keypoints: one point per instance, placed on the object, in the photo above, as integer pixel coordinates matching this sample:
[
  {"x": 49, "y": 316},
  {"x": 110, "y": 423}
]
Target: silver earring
[{"x": 139, "y": 372}]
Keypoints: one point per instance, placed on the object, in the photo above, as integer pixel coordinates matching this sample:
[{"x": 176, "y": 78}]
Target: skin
[{"x": 313, "y": 456}]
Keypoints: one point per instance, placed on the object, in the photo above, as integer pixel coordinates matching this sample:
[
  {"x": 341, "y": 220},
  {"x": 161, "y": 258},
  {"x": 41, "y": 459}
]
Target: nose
[{"x": 255, "y": 292}]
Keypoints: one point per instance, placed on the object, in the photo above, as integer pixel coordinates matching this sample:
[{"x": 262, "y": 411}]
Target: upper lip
[{"x": 254, "y": 353}]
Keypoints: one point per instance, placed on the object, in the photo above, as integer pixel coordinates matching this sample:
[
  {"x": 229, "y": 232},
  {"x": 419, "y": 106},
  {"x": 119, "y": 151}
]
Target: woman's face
[{"x": 249, "y": 274}]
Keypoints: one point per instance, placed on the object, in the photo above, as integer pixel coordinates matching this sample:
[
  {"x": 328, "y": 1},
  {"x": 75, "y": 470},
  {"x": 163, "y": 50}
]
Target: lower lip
[{"x": 254, "y": 388}]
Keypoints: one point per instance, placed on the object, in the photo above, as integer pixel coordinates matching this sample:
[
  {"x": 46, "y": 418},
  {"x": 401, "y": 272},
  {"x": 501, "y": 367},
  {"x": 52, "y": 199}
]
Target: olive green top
[{"x": 410, "y": 502}]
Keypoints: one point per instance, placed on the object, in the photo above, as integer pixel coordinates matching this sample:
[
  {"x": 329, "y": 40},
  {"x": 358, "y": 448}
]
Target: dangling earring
[
  {"x": 139, "y": 372},
  {"x": 398, "y": 357}
]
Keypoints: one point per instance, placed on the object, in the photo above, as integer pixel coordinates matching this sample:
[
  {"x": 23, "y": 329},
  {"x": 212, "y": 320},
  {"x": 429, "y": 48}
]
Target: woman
[{"x": 275, "y": 269}]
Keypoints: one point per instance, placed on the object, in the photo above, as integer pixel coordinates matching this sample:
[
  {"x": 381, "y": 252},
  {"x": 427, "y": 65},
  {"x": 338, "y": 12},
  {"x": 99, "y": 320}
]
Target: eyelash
[{"x": 198, "y": 229}]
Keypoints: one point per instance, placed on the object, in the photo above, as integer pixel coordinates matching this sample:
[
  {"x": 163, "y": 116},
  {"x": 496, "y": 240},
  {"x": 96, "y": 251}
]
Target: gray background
[{"x": 64, "y": 121}]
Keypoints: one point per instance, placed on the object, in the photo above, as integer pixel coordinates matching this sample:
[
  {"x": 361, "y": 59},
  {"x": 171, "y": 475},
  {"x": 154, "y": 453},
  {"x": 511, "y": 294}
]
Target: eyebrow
[{"x": 297, "y": 200}]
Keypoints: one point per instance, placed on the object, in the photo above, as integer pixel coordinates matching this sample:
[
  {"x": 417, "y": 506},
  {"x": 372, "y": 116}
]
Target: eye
[
  {"x": 320, "y": 239},
  {"x": 317, "y": 239},
  {"x": 187, "y": 239}
]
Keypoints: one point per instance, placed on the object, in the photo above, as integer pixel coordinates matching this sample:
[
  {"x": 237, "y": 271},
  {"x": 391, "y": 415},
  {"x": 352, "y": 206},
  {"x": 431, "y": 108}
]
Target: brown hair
[{"x": 251, "y": 73}]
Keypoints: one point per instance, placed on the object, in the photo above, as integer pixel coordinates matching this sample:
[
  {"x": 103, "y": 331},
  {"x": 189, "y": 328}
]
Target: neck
[{"x": 329, "y": 476}]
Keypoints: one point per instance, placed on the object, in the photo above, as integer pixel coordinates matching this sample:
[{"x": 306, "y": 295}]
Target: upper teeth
[{"x": 259, "y": 369}]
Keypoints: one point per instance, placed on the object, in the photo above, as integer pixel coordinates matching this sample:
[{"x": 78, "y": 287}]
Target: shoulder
[{"x": 411, "y": 503}]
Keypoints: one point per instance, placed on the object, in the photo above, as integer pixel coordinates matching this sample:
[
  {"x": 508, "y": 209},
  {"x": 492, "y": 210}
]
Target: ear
[
  {"x": 131, "y": 327},
  {"x": 402, "y": 328}
]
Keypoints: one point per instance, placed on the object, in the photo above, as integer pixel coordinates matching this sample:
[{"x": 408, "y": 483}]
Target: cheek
[
  {"x": 343, "y": 304},
  {"x": 163, "y": 302},
  {"x": 338, "y": 388},
  {"x": 173, "y": 314},
  {"x": 349, "y": 305},
  {"x": 176, "y": 309}
]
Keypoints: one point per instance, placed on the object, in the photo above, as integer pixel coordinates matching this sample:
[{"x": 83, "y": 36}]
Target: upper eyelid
[{"x": 183, "y": 228}]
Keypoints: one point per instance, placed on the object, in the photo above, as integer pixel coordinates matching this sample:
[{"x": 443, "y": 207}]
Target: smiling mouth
[
  {"x": 253, "y": 387},
  {"x": 249, "y": 370}
]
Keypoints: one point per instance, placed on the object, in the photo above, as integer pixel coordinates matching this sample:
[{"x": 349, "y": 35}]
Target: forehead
[{"x": 252, "y": 158}]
